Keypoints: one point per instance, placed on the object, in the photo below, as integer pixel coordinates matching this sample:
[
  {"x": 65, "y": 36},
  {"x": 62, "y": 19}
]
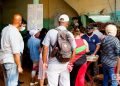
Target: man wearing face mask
[
  {"x": 94, "y": 45},
  {"x": 92, "y": 39},
  {"x": 23, "y": 29},
  {"x": 23, "y": 32}
]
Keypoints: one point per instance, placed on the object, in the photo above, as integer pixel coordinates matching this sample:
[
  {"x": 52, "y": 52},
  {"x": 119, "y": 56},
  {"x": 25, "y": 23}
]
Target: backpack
[{"x": 62, "y": 49}]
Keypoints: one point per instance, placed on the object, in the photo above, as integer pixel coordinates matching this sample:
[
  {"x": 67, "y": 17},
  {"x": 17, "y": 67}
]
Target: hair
[
  {"x": 24, "y": 21},
  {"x": 43, "y": 33},
  {"x": 76, "y": 32},
  {"x": 82, "y": 29},
  {"x": 75, "y": 18}
]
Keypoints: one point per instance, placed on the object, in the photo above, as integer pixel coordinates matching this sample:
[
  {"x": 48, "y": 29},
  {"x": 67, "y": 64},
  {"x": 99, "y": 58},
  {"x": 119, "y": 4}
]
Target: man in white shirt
[
  {"x": 98, "y": 33},
  {"x": 57, "y": 72},
  {"x": 11, "y": 45}
]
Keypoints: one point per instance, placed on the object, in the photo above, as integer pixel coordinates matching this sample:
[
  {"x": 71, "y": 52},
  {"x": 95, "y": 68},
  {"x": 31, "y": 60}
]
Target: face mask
[
  {"x": 22, "y": 28},
  {"x": 76, "y": 24}
]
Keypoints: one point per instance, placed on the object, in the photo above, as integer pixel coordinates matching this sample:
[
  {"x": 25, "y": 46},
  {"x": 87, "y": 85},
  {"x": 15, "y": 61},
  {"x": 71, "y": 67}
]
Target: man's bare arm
[
  {"x": 73, "y": 57},
  {"x": 97, "y": 48},
  {"x": 44, "y": 54},
  {"x": 18, "y": 62}
]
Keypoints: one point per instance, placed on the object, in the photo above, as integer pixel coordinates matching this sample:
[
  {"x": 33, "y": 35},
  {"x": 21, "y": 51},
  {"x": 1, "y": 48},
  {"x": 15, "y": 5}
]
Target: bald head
[{"x": 17, "y": 20}]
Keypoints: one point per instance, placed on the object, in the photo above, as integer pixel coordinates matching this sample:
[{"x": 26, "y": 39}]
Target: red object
[
  {"x": 80, "y": 66},
  {"x": 89, "y": 76},
  {"x": 80, "y": 79},
  {"x": 79, "y": 43}
]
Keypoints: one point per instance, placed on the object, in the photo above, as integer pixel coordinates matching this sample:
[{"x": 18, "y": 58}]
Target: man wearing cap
[
  {"x": 57, "y": 72},
  {"x": 94, "y": 45},
  {"x": 110, "y": 55},
  {"x": 92, "y": 39},
  {"x": 34, "y": 45}
]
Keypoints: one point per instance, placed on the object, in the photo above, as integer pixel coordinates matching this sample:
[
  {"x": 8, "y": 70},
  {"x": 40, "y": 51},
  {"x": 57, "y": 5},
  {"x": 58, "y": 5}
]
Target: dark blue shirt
[{"x": 92, "y": 40}]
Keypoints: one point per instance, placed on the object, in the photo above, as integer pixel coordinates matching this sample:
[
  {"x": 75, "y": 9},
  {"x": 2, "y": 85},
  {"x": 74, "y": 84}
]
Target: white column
[{"x": 36, "y": 1}]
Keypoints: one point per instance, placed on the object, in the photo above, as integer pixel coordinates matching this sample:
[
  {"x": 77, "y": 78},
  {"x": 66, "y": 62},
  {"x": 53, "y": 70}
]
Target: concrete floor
[{"x": 25, "y": 77}]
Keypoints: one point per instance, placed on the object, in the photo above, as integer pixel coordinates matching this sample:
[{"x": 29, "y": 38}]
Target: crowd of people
[{"x": 60, "y": 55}]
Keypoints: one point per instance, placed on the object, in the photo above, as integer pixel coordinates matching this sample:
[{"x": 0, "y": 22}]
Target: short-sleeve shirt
[
  {"x": 11, "y": 43},
  {"x": 34, "y": 45},
  {"x": 92, "y": 40},
  {"x": 50, "y": 40}
]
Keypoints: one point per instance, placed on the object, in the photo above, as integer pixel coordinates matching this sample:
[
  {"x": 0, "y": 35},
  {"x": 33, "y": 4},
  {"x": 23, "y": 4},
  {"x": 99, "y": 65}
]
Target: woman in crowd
[
  {"x": 77, "y": 75},
  {"x": 41, "y": 74},
  {"x": 33, "y": 45}
]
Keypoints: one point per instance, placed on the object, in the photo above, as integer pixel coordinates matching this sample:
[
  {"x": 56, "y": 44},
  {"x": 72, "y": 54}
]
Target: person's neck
[
  {"x": 89, "y": 34},
  {"x": 63, "y": 25},
  {"x": 15, "y": 25},
  {"x": 77, "y": 37},
  {"x": 96, "y": 30}
]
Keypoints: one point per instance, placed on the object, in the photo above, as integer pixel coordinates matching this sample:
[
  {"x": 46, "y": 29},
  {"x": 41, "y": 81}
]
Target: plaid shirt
[{"x": 110, "y": 50}]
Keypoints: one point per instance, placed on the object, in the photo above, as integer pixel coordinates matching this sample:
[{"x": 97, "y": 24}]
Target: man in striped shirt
[{"x": 110, "y": 51}]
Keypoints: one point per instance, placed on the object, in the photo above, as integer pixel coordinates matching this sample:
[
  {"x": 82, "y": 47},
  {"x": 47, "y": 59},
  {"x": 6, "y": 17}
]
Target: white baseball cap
[
  {"x": 64, "y": 18},
  {"x": 33, "y": 32}
]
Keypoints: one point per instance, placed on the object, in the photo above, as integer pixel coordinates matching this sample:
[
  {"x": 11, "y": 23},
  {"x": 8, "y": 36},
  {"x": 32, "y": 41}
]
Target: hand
[
  {"x": 118, "y": 81},
  {"x": 70, "y": 67},
  {"x": 20, "y": 70},
  {"x": 93, "y": 54},
  {"x": 118, "y": 78},
  {"x": 45, "y": 66}
]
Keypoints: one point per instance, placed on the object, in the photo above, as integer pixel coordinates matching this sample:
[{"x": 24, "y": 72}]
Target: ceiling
[{"x": 91, "y": 6}]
